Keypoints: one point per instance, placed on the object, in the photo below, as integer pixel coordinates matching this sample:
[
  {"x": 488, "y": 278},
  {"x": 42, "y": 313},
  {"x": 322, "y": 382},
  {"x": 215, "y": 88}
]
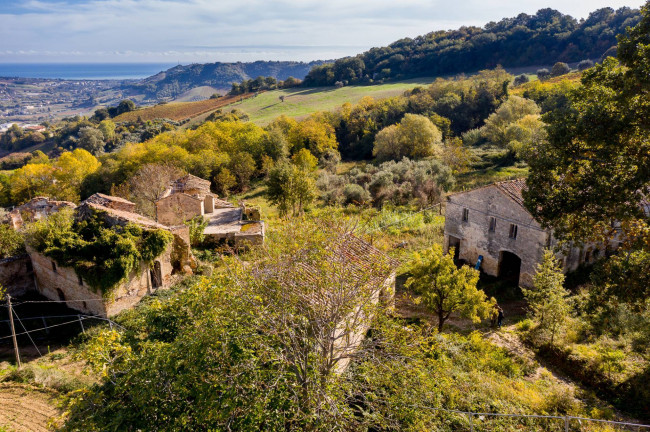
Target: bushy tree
[
  {"x": 291, "y": 188},
  {"x": 446, "y": 289},
  {"x": 594, "y": 170},
  {"x": 242, "y": 166},
  {"x": 414, "y": 137},
  {"x": 560, "y": 68},
  {"x": 512, "y": 110},
  {"x": 92, "y": 140},
  {"x": 225, "y": 181}
]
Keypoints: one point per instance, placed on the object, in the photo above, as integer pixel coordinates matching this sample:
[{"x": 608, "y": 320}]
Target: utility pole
[{"x": 13, "y": 331}]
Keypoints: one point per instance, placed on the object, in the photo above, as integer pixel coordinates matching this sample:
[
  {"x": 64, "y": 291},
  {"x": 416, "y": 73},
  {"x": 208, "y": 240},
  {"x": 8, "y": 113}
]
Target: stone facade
[
  {"x": 63, "y": 283},
  {"x": 492, "y": 222},
  {"x": 177, "y": 208},
  {"x": 17, "y": 275}
]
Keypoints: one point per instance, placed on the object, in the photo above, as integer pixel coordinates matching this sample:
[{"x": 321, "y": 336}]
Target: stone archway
[{"x": 509, "y": 267}]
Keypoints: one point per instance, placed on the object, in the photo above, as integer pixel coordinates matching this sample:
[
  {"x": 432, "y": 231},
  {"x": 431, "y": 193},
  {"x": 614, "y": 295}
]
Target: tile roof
[
  {"x": 513, "y": 189},
  {"x": 102, "y": 199},
  {"x": 189, "y": 182}
]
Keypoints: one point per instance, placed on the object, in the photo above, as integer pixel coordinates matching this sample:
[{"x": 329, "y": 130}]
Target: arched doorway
[{"x": 509, "y": 267}]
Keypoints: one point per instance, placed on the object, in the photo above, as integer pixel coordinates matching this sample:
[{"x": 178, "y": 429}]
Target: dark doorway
[
  {"x": 61, "y": 295},
  {"x": 454, "y": 242},
  {"x": 156, "y": 275},
  {"x": 509, "y": 267}
]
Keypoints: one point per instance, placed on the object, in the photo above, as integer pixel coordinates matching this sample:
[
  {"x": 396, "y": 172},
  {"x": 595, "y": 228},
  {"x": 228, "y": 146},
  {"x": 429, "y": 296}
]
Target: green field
[{"x": 300, "y": 102}]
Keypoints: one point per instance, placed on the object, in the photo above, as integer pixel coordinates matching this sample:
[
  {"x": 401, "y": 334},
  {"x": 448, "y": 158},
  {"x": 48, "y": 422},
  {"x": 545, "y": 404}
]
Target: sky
[{"x": 186, "y": 31}]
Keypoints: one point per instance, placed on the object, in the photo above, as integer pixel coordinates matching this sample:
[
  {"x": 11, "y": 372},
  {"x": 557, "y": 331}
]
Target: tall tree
[
  {"x": 595, "y": 168},
  {"x": 547, "y": 299}
]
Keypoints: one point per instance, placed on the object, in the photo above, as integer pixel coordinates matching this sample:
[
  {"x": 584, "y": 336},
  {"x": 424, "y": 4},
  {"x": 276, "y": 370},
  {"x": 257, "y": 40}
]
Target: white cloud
[{"x": 153, "y": 30}]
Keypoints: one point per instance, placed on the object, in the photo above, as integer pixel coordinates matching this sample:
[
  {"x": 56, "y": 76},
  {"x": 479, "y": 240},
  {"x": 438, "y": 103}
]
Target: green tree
[
  {"x": 92, "y": 140},
  {"x": 508, "y": 114},
  {"x": 547, "y": 300},
  {"x": 560, "y": 68},
  {"x": 107, "y": 128},
  {"x": 290, "y": 188},
  {"x": 242, "y": 166},
  {"x": 446, "y": 289},
  {"x": 414, "y": 137},
  {"x": 304, "y": 160},
  {"x": 595, "y": 168},
  {"x": 225, "y": 181},
  {"x": 11, "y": 242}
]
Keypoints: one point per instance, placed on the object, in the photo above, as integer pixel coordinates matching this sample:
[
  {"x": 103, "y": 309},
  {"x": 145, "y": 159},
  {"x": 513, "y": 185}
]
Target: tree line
[{"x": 525, "y": 40}]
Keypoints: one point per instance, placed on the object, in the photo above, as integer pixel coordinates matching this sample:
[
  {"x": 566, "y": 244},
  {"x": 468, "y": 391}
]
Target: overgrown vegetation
[{"x": 103, "y": 255}]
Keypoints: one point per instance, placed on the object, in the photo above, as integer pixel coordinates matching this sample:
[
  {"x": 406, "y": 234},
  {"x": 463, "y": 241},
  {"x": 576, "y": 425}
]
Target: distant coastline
[{"x": 83, "y": 71}]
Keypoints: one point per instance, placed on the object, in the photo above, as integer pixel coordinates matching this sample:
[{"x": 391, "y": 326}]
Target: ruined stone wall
[
  {"x": 476, "y": 239},
  {"x": 177, "y": 208},
  {"x": 17, "y": 275},
  {"x": 54, "y": 281}
]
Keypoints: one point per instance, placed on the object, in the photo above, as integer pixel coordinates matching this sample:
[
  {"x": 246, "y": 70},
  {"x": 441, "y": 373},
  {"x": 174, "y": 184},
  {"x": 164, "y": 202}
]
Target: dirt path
[{"x": 26, "y": 409}]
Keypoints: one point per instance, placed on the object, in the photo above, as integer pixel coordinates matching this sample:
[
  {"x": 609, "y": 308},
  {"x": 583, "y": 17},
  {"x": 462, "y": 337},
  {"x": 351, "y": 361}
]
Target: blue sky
[{"x": 238, "y": 30}]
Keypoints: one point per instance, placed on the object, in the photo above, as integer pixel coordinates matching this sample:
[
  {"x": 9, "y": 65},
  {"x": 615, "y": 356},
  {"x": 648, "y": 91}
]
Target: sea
[{"x": 83, "y": 71}]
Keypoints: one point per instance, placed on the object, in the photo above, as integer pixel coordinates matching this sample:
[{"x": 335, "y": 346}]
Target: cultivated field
[
  {"x": 300, "y": 102},
  {"x": 178, "y": 110}
]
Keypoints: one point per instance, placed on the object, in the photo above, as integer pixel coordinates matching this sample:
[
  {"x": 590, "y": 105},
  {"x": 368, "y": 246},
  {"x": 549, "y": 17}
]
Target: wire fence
[
  {"x": 74, "y": 319},
  {"x": 482, "y": 421}
]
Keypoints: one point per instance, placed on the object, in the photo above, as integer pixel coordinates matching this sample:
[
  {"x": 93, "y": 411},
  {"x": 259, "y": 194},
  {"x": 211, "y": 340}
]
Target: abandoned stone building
[
  {"x": 37, "y": 272},
  {"x": 490, "y": 228},
  {"x": 190, "y": 196}
]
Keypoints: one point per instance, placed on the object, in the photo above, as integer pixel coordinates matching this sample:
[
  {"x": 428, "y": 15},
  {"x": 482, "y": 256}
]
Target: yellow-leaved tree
[{"x": 446, "y": 289}]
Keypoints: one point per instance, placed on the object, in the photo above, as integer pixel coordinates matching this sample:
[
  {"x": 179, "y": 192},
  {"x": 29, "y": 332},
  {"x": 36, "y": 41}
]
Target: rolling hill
[{"x": 175, "y": 81}]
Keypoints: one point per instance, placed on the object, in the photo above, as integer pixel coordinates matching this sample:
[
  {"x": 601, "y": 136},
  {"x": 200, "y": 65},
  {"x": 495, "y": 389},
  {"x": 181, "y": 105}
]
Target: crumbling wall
[
  {"x": 17, "y": 275},
  {"x": 63, "y": 283}
]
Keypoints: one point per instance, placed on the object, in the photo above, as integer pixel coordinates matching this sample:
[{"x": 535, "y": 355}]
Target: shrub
[
  {"x": 585, "y": 64},
  {"x": 560, "y": 68},
  {"x": 355, "y": 194},
  {"x": 11, "y": 242}
]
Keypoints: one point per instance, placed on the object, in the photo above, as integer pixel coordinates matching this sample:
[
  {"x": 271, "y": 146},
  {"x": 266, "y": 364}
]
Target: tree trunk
[{"x": 441, "y": 320}]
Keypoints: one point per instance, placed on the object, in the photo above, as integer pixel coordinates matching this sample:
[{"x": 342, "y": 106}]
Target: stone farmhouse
[
  {"x": 190, "y": 196},
  {"x": 39, "y": 273},
  {"x": 490, "y": 228}
]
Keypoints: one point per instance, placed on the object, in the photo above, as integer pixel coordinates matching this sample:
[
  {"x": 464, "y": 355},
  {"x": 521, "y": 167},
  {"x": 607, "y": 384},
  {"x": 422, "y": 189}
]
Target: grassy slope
[{"x": 300, "y": 102}]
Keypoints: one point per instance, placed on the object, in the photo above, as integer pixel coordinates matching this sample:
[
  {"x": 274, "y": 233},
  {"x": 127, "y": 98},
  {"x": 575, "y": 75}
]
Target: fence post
[
  {"x": 471, "y": 423},
  {"x": 110, "y": 323},
  {"x": 566, "y": 423},
  {"x": 82, "y": 324},
  {"x": 47, "y": 330}
]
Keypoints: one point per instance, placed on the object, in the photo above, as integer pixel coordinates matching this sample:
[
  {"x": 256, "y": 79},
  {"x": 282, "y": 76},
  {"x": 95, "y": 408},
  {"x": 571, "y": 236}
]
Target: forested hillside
[
  {"x": 526, "y": 40},
  {"x": 179, "y": 79}
]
